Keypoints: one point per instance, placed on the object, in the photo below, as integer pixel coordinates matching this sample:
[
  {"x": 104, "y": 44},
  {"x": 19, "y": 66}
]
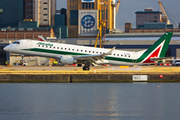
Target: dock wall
[{"x": 87, "y": 78}]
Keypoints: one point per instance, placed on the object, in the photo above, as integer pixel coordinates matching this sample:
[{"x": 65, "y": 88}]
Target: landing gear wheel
[
  {"x": 86, "y": 67},
  {"x": 79, "y": 65},
  {"x": 21, "y": 61}
]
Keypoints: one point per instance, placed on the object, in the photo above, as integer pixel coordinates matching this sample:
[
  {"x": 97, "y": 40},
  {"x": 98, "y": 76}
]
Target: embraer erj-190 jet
[{"x": 72, "y": 54}]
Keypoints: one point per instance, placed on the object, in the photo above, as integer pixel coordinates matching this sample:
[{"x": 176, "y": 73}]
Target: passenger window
[{"x": 57, "y": 47}]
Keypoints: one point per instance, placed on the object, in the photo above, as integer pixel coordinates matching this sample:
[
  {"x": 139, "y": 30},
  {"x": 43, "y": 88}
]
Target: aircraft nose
[{"x": 6, "y": 48}]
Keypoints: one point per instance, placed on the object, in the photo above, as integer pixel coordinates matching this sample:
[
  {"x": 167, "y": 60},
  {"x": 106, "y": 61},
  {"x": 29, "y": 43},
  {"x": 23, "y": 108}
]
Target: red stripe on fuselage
[{"x": 154, "y": 54}]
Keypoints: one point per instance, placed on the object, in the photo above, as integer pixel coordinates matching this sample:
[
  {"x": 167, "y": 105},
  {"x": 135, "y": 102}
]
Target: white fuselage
[{"x": 56, "y": 50}]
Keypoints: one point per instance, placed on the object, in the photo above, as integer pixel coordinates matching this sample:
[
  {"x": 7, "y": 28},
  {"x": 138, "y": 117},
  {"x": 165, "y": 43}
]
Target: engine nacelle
[{"x": 68, "y": 60}]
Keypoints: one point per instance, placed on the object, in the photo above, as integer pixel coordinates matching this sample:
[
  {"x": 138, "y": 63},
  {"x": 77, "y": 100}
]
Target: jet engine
[{"x": 68, "y": 60}]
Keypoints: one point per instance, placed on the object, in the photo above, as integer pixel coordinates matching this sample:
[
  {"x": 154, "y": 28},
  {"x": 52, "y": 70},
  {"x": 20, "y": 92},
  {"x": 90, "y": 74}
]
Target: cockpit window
[{"x": 16, "y": 42}]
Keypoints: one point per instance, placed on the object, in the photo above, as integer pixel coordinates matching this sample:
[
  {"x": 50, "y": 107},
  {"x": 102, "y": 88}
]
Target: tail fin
[
  {"x": 41, "y": 38},
  {"x": 158, "y": 49}
]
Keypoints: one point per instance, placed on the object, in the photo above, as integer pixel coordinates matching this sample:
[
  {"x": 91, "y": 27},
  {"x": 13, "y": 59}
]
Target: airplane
[{"x": 73, "y": 54}]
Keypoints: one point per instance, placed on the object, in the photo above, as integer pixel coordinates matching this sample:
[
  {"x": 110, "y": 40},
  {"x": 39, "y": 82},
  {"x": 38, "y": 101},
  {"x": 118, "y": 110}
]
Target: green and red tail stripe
[{"x": 158, "y": 49}]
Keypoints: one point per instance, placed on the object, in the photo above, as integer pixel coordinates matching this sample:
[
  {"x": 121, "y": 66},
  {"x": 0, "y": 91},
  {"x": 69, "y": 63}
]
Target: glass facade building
[{"x": 11, "y": 13}]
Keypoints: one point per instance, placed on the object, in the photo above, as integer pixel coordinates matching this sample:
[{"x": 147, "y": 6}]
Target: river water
[{"x": 90, "y": 101}]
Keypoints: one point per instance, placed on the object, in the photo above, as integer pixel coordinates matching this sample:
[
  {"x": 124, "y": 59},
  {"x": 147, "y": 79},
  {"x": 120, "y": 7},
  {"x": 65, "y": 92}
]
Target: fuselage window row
[{"x": 85, "y": 51}]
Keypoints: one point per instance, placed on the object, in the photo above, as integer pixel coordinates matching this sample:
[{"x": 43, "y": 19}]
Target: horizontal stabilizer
[{"x": 161, "y": 59}]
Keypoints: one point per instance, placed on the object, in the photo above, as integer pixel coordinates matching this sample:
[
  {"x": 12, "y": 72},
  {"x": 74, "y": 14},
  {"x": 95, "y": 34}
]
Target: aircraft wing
[{"x": 94, "y": 58}]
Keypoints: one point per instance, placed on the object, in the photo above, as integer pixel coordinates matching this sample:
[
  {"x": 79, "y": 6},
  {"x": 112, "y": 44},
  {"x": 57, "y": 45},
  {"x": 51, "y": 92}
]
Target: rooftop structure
[
  {"x": 25, "y": 33},
  {"x": 147, "y": 16}
]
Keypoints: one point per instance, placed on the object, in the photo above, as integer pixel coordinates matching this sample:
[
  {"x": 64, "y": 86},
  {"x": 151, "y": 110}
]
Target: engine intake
[{"x": 68, "y": 60}]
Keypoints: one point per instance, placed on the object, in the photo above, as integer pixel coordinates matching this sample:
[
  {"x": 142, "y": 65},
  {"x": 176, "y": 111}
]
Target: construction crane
[
  {"x": 103, "y": 23},
  {"x": 100, "y": 27},
  {"x": 117, "y": 7},
  {"x": 164, "y": 15}
]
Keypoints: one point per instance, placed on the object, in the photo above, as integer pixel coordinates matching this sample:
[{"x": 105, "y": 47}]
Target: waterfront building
[
  {"x": 44, "y": 12},
  {"x": 147, "y": 16},
  {"x": 11, "y": 12},
  {"x": 83, "y": 17}
]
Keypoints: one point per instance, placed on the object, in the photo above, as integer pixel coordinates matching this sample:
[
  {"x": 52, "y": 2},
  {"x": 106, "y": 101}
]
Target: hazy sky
[{"x": 127, "y": 9}]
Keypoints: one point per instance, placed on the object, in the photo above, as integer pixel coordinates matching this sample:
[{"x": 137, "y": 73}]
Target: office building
[
  {"x": 44, "y": 12},
  {"x": 147, "y": 16},
  {"x": 83, "y": 17},
  {"x": 11, "y": 12}
]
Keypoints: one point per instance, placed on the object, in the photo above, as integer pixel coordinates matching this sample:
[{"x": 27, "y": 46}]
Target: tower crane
[
  {"x": 117, "y": 7},
  {"x": 103, "y": 23},
  {"x": 164, "y": 15},
  {"x": 100, "y": 26}
]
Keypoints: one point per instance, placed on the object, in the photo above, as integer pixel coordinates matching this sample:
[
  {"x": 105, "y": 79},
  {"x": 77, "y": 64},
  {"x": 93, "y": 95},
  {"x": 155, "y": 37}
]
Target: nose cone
[{"x": 6, "y": 48}]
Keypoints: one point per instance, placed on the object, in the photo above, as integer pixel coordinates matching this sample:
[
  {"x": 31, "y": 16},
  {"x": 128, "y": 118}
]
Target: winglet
[
  {"x": 41, "y": 38},
  {"x": 109, "y": 53}
]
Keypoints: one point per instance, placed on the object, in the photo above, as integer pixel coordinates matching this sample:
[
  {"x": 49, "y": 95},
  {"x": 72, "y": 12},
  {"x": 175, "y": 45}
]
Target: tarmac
[{"x": 73, "y": 74}]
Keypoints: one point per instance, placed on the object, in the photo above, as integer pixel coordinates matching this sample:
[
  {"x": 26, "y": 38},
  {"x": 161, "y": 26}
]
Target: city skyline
[{"x": 127, "y": 9}]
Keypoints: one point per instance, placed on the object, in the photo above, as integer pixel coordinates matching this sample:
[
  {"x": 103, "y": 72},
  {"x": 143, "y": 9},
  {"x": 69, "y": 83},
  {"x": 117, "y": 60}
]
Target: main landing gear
[{"x": 86, "y": 67}]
